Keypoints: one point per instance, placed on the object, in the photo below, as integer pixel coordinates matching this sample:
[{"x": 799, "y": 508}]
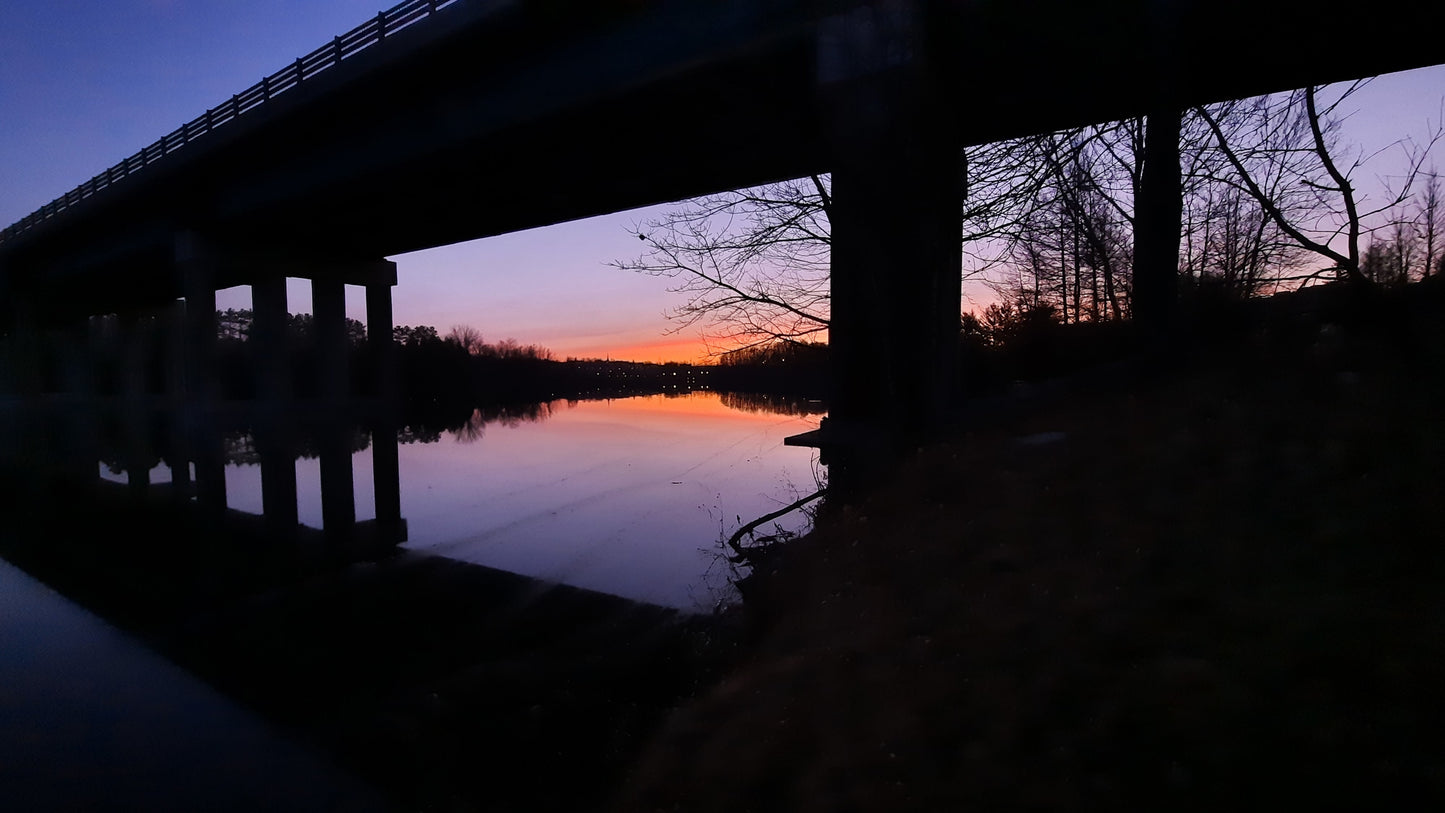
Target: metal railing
[{"x": 358, "y": 39}]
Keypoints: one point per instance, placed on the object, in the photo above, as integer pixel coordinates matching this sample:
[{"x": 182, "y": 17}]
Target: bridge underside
[{"x": 514, "y": 119}]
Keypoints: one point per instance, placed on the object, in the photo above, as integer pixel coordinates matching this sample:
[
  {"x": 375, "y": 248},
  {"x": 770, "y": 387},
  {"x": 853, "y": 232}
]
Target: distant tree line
[
  {"x": 445, "y": 377},
  {"x": 793, "y": 368}
]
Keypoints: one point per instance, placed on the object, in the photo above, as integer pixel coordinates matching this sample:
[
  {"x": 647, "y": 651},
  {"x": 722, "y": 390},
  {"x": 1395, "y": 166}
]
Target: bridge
[{"x": 440, "y": 121}]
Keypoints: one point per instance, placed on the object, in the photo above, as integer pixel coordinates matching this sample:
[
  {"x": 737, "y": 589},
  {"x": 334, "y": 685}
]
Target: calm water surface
[{"x": 629, "y": 496}]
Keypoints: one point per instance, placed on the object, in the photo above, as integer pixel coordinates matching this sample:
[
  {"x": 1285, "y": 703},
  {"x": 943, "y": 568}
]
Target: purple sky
[{"x": 84, "y": 83}]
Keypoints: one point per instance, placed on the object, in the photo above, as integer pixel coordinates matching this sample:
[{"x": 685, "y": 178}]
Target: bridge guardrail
[{"x": 373, "y": 31}]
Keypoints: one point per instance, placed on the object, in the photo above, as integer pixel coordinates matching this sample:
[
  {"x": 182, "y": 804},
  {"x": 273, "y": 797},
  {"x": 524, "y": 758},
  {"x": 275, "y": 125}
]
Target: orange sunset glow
[{"x": 666, "y": 349}]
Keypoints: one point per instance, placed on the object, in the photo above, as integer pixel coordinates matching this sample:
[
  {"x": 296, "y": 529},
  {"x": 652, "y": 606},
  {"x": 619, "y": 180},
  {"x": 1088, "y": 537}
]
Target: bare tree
[
  {"x": 1401, "y": 235},
  {"x": 1230, "y": 242},
  {"x": 753, "y": 264},
  {"x": 1075, "y": 250},
  {"x": 1284, "y": 151},
  {"x": 1243, "y": 251},
  {"x": 1430, "y": 219},
  {"x": 1390, "y": 256},
  {"x": 467, "y": 338}
]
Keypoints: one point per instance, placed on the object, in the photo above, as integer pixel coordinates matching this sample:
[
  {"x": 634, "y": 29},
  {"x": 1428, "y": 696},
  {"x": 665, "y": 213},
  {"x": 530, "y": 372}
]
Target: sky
[{"x": 85, "y": 83}]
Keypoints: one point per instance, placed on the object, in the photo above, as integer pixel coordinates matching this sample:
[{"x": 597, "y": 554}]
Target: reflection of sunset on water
[
  {"x": 627, "y": 496},
  {"x": 685, "y": 405}
]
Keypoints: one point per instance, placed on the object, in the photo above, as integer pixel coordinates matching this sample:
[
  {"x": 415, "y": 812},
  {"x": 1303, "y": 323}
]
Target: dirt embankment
[{"x": 1221, "y": 589}]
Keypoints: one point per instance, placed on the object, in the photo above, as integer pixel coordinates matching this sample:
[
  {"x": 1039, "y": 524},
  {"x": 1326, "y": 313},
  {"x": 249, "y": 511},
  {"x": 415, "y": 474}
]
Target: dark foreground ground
[{"x": 1215, "y": 588}]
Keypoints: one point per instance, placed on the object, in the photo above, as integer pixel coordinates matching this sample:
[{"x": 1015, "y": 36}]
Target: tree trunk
[{"x": 1156, "y": 222}]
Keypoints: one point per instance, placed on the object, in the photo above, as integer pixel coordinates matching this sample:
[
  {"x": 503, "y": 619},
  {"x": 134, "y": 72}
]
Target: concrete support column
[
  {"x": 338, "y": 487},
  {"x": 178, "y": 452},
  {"x": 385, "y": 460},
  {"x": 76, "y": 420},
  {"x": 76, "y": 357},
  {"x": 173, "y": 334},
  {"x": 137, "y": 334},
  {"x": 896, "y": 230},
  {"x": 196, "y": 265},
  {"x": 25, "y": 355},
  {"x": 269, "y": 341},
  {"x": 328, "y": 306},
  {"x": 379, "y": 336},
  {"x": 275, "y": 440},
  {"x": 20, "y": 448}
]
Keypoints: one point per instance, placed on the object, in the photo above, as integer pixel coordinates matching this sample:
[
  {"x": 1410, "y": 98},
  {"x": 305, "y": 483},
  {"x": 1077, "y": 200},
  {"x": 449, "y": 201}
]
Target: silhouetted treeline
[
  {"x": 780, "y": 368},
  {"x": 442, "y": 379},
  {"x": 1010, "y": 343},
  {"x": 460, "y": 371}
]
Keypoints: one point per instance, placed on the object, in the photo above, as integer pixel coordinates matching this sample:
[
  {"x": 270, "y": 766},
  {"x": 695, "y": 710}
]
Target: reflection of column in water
[
  {"x": 338, "y": 498},
  {"x": 135, "y": 446},
  {"x": 209, "y": 452},
  {"x": 276, "y": 446},
  {"x": 386, "y": 476},
  {"x": 178, "y": 457}
]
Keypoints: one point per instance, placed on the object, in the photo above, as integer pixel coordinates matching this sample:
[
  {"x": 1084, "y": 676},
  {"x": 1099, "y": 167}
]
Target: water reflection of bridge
[{"x": 63, "y": 441}]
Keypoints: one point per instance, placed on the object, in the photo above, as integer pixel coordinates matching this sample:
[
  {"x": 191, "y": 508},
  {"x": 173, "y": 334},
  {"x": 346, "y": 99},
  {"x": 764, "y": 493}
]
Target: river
[{"x": 629, "y": 496}]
